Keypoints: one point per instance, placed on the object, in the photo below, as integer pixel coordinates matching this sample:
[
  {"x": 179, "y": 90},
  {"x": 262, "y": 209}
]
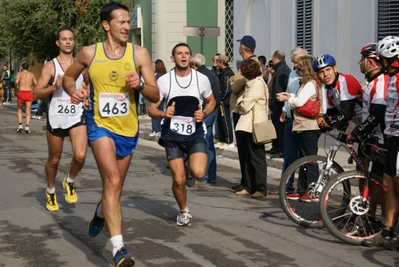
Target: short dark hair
[
  {"x": 61, "y": 30},
  {"x": 262, "y": 59},
  {"x": 279, "y": 55},
  {"x": 25, "y": 66},
  {"x": 178, "y": 45},
  {"x": 106, "y": 10}
]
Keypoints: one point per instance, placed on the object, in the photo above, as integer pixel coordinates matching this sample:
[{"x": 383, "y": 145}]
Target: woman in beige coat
[{"x": 253, "y": 108}]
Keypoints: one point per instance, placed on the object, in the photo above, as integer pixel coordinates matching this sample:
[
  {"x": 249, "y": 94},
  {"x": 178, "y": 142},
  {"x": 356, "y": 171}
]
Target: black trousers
[
  {"x": 255, "y": 167},
  {"x": 242, "y": 147}
]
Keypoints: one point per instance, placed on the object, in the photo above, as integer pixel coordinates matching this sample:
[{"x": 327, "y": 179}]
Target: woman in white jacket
[
  {"x": 306, "y": 127},
  {"x": 253, "y": 108}
]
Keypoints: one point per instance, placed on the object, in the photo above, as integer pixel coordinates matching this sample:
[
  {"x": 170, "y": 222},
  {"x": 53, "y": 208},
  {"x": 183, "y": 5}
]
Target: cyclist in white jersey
[
  {"x": 342, "y": 92},
  {"x": 64, "y": 119},
  {"x": 183, "y": 131},
  {"x": 388, "y": 51}
]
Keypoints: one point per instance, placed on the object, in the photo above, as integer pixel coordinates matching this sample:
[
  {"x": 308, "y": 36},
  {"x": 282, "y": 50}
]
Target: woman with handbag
[
  {"x": 306, "y": 105},
  {"x": 253, "y": 109}
]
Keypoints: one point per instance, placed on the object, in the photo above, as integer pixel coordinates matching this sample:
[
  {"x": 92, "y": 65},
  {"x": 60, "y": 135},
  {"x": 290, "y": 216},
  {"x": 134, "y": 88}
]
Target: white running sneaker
[
  {"x": 20, "y": 128},
  {"x": 27, "y": 130},
  {"x": 183, "y": 219}
]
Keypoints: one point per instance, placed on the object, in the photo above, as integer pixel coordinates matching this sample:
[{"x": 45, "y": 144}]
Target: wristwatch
[{"x": 141, "y": 87}]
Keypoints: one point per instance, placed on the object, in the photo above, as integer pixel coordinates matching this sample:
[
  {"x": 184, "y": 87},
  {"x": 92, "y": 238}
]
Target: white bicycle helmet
[{"x": 388, "y": 47}]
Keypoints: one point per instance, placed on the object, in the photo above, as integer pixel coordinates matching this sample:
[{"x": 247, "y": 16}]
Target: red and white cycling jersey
[
  {"x": 346, "y": 88},
  {"x": 392, "y": 111},
  {"x": 375, "y": 93}
]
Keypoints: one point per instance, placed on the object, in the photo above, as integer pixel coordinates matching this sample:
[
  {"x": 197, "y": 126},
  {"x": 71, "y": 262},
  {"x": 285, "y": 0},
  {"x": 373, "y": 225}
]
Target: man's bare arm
[
  {"x": 143, "y": 61},
  {"x": 42, "y": 89},
  {"x": 81, "y": 63}
]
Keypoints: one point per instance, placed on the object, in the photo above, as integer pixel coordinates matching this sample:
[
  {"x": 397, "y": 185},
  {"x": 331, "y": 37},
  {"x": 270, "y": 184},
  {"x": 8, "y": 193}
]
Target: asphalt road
[{"x": 226, "y": 230}]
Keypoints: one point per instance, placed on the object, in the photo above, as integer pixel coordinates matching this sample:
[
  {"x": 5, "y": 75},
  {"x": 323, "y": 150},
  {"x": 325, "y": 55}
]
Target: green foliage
[{"x": 29, "y": 27}]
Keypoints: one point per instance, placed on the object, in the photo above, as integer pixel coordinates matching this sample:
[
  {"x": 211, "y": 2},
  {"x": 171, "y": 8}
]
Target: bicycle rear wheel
[
  {"x": 306, "y": 214},
  {"x": 345, "y": 213}
]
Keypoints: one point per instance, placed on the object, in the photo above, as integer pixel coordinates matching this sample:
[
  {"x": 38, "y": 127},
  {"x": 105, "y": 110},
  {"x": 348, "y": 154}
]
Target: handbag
[
  {"x": 263, "y": 132},
  {"x": 311, "y": 109}
]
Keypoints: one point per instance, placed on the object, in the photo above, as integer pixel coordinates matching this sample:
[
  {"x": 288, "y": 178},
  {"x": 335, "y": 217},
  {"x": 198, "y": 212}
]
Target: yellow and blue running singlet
[{"x": 113, "y": 104}]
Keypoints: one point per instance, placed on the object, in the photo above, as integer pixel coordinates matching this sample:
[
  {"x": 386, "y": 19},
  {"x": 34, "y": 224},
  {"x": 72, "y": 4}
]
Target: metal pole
[{"x": 202, "y": 39}]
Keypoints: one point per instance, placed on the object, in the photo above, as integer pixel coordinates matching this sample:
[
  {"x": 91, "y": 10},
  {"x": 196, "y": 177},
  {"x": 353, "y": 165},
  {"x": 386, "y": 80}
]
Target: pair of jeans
[
  {"x": 308, "y": 146},
  {"x": 210, "y": 175},
  {"x": 156, "y": 124},
  {"x": 290, "y": 151},
  {"x": 7, "y": 92}
]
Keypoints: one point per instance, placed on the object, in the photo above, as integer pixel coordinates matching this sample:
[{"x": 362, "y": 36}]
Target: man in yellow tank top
[{"x": 114, "y": 66}]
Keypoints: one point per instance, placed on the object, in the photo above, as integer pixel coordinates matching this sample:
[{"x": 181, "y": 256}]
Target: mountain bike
[
  {"x": 307, "y": 214},
  {"x": 346, "y": 206}
]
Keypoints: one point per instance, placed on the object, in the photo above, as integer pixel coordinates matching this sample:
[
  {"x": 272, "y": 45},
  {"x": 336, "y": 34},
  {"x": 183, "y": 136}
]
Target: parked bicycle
[
  {"x": 346, "y": 206},
  {"x": 307, "y": 214}
]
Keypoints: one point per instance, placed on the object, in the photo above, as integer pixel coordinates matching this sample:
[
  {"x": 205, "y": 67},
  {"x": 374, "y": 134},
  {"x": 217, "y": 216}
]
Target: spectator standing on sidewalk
[
  {"x": 224, "y": 123},
  {"x": 291, "y": 143},
  {"x": 237, "y": 83},
  {"x": 112, "y": 119},
  {"x": 279, "y": 84},
  {"x": 159, "y": 70},
  {"x": 308, "y": 131},
  {"x": 253, "y": 108},
  {"x": 6, "y": 80},
  {"x": 198, "y": 63}
]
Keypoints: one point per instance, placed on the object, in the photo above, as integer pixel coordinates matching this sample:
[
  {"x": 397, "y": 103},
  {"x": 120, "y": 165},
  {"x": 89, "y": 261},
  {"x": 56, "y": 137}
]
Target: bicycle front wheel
[
  {"x": 344, "y": 211},
  {"x": 294, "y": 183}
]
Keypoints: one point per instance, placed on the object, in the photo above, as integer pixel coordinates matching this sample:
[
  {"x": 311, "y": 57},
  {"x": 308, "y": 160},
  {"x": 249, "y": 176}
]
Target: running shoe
[
  {"x": 71, "y": 196},
  {"x": 27, "y": 130},
  {"x": 123, "y": 258},
  {"x": 96, "y": 224},
  {"x": 20, "y": 128},
  {"x": 51, "y": 202},
  {"x": 183, "y": 219}
]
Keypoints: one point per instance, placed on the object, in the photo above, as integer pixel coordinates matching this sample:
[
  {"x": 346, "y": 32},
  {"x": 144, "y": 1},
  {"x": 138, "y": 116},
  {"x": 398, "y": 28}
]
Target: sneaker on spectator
[
  {"x": 51, "y": 202},
  {"x": 38, "y": 117},
  {"x": 219, "y": 144},
  {"x": 293, "y": 196},
  {"x": 20, "y": 128},
  {"x": 70, "y": 196},
  {"x": 307, "y": 198},
  {"x": 27, "y": 130},
  {"x": 96, "y": 224},
  {"x": 225, "y": 145},
  {"x": 123, "y": 258},
  {"x": 183, "y": 219}
]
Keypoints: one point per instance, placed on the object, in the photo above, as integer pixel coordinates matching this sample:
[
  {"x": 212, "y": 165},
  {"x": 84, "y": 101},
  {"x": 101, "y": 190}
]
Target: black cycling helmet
[{"x": 323, "y": 61}]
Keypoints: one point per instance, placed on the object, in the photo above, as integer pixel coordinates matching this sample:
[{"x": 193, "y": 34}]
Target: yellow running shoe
[
  {"x": 51, "y": 202},
  {"x": 71, "y": 196}
]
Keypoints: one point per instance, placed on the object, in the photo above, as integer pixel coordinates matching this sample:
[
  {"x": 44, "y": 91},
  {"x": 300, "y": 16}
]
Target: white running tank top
[{"x": 62, "y": 114}]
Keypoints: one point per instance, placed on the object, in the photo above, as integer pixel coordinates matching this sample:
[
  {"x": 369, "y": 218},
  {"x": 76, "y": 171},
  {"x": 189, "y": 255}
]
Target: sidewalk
[{"x": 324, "y": 144}]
